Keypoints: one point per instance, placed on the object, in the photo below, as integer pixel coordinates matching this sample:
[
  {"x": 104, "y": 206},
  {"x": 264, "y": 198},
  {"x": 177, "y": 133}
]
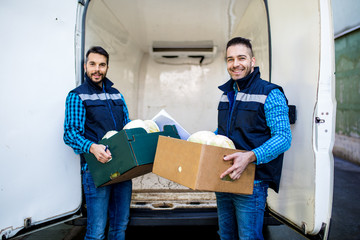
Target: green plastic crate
[{"x": 133, "y": 153}]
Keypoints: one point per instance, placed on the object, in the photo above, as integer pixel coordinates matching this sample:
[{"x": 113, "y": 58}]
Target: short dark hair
[
  {"x": 98, "y": 50},
  {"x": 240, "y": 40}
]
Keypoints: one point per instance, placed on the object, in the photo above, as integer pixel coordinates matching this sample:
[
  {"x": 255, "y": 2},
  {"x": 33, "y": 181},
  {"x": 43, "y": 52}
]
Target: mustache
[{"x": 97, "y": 72}]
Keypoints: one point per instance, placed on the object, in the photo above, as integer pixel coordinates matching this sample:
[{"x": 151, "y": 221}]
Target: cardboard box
[
  {"x": 198, "y": 166},
  {"x": 133, "y": 153}
]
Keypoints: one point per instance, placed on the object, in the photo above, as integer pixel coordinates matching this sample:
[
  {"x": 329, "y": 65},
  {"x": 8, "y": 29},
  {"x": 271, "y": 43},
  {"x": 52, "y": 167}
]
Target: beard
[{"x": 96, "y": 77}]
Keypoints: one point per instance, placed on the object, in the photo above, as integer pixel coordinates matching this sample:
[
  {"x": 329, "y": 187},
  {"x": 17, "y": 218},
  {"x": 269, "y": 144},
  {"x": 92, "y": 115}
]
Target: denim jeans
[
  {"x": 242, "y": 216},
  {"x": 111, "y": 201}
]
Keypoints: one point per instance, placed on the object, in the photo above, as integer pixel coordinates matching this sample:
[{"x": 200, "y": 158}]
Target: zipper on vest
[
  {"x": 111, "y": 112},
  {"x": 231, "y": 113}
]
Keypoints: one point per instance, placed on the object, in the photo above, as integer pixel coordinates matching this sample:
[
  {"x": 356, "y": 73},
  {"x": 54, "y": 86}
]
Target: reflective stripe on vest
[
  {"x": 101, "y": 96},
  {"x": 244, "y": 97}
]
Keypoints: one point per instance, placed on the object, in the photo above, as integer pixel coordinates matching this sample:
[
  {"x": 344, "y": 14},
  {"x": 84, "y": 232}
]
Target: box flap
[{"x": 143, "y": 145}]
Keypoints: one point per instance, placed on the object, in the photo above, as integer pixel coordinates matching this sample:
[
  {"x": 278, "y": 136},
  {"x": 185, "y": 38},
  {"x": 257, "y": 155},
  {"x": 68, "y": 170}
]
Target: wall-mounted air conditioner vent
[{"x": 195, "y": 52}]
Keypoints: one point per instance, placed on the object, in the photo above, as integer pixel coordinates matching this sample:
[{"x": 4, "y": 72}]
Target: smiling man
[
  {"x": 240, "y": 61},
  {"x": 93, "y": 109},
  {"x": 96, "y": 67},
  {"x": 253, "y": 113}
]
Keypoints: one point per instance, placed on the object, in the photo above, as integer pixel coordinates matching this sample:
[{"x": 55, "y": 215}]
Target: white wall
[{"x": 345, "y": 14}]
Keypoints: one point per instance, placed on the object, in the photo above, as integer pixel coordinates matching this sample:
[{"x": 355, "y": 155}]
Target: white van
[{"x": 164, "y": 54}]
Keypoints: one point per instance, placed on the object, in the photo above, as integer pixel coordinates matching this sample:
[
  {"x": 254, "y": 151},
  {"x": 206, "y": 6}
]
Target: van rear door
[
  {"x": 302, "y": 59},
  {"x": 39, "y": 175}
]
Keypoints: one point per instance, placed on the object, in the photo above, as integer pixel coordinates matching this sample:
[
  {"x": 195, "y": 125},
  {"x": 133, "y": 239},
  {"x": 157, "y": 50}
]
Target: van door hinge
[
  {"x": 319, "y": 120},
  {"x": 27, "y": 222}
]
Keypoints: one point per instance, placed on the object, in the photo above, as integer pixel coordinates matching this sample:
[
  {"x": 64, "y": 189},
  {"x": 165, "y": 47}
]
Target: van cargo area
[
  {"x": 161, "y": 59},
  {"x": 164, "y": 54},
  {"x": 170, "y": 55}
]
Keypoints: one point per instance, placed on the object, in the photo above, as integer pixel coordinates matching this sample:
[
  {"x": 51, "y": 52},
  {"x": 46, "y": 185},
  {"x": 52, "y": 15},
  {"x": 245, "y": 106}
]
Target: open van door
[
  {"x": 40, "y": 180},
  {"x": 302, "y": 60}
]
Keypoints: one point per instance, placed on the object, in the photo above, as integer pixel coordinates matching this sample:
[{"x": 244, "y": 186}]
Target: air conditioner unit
[{"x": 192, "y": 52}]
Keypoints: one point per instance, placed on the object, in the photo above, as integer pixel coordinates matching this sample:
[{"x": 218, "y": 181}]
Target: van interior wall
[
  {"x": 255, "y": 29},
  {"x": 188, "y": 92},
  {"x": 104, "y": 29}
]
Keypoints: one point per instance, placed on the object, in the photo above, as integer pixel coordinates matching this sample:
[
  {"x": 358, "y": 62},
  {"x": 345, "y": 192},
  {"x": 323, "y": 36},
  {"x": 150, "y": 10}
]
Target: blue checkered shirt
[{"x": 75, "y": 115}]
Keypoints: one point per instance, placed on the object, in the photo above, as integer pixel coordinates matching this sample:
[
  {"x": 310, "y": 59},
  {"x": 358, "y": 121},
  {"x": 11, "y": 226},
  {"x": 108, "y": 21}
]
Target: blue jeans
[
  {"x": 242, "y": 216},
  {"x": 111, "y": 201}
]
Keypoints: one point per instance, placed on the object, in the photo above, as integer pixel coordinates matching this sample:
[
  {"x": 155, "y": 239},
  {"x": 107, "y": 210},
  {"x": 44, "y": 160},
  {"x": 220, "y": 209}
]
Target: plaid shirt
[{"x": 75, "y": 116}]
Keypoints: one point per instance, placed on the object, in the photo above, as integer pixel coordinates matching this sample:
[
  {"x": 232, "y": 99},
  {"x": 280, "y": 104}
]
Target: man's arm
[
  {"x": 277, "y": 119},
  {"x": 126, "y": 111},
  {"x": 75, "y": 116},
  {"x": 74, "y": 124}
]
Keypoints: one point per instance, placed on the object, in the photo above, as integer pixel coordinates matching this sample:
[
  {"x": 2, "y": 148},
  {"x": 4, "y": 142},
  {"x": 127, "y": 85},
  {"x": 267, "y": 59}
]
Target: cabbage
[
  {"x": 221, "y": 141},
  {"x": 209, "y": 138},
  {"x": 138, "y": 123},
  {"x": 201, "y": 137},
  {"x": 151, "y": 126},
  {"x": 109, "y": 134}
]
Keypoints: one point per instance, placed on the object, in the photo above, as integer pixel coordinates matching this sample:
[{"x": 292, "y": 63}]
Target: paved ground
[
  {"x": 346, "y": 206},
  {"x": 345, "y": 218}
]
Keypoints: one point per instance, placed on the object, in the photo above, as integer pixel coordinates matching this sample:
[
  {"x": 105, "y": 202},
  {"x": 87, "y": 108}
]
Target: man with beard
[
  {"x": 93, "y": 109},
  {"x": 253, "y": 113}
]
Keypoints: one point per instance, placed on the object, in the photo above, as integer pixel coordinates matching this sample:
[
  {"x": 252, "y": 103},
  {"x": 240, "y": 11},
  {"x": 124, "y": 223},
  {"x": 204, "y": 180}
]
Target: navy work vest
[
  {"x": 104, "y": 108},
  {"x": 244, "y": 121}
]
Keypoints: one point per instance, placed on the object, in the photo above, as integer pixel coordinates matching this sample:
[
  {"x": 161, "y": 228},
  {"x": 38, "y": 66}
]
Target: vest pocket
[
  {"x": 247, "y": 117},
  {"x": 223, "y": 113},
  {"x": 117, "y": 104},
  {"x": 96, "y": 111},
  {"x": 118, "y": 113},
  {"x": 223, "y": 105}
]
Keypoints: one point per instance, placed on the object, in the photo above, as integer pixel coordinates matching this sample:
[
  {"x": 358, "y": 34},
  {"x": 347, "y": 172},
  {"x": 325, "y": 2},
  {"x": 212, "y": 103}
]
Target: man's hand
[
  {"x": 99, "y": 152},
  {"x": 241, "y": 160}
]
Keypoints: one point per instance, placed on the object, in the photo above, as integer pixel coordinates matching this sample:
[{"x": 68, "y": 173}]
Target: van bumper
[
  {"x": 182, "y": 217},
  {"x": 175, "y": 217}
]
